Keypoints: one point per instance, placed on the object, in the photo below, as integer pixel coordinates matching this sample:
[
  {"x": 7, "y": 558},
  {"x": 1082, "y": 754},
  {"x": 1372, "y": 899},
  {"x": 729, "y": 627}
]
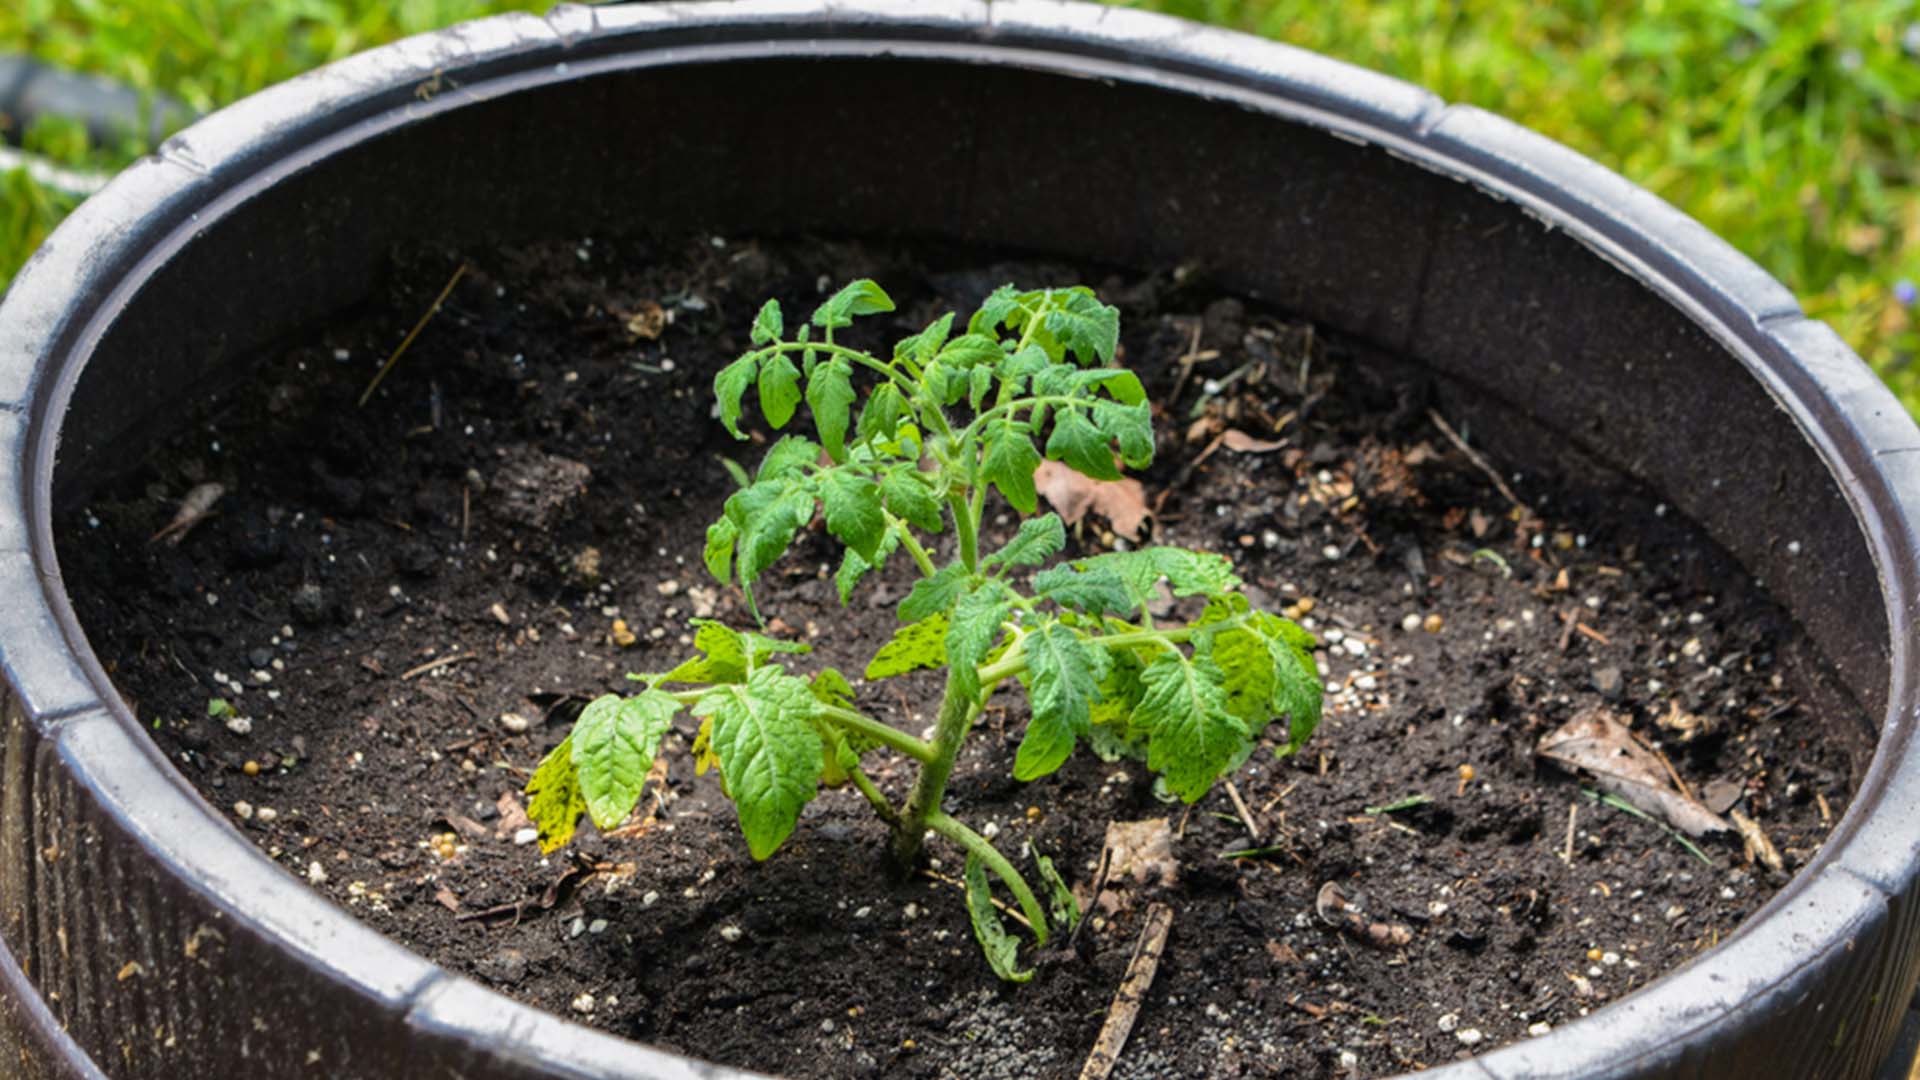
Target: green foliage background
[{"x": 1787, "y": 126}]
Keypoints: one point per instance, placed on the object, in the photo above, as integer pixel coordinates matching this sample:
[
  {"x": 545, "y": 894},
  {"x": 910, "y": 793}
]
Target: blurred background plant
[{"x": 1787, "y": 126}]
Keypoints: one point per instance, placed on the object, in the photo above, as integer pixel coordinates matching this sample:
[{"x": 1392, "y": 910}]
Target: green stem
[
  {"x": 957, "y": 710},
  {"x": 1015, "y": 661},
  {"x": 967, "y": 527},
  {"x": 1015, "y": 406},
  {"x": 853, "y": 355},
  {"x": 880, "y": 804},
  {"x": 920, "y": 557},
  {"x": 890, "y": 737},
  {"x": 976, "y": 844}
]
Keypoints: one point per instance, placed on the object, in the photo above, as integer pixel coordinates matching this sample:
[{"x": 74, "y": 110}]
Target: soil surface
[{"x": 404, "y": 605}]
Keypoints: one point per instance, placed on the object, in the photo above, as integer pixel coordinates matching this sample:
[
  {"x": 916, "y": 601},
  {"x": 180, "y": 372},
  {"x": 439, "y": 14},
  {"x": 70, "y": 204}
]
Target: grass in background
[{"x": 1787, "y": 126}]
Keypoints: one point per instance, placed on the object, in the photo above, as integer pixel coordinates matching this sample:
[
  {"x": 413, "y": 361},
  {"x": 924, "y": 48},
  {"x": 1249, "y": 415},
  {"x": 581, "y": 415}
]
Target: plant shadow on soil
[{"x": 543, "y": 461}]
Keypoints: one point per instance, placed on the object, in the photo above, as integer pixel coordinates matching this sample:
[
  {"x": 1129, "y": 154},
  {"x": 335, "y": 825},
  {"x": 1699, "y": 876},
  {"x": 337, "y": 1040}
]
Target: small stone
[
  {"x": 243, "y": 810},
  {"x": 266, "y": 815},
  {"x": 731, "y": 933},
  {"x": 1349, "y": 1060},
  {"x": 499, "y": 613},
  {"x": 583, "y": 1004},
  {"x": 316, "y": 874},
  {"x": 1433, "y": 624},
  {"x": 309, "y": 603},
  {"x": 1448, "y": 1021},
  {"x": 514, "y": 722},
  {"x": 239, "y": 725},
  {"x": 505, "y": 966},
  {"x": 651, "y": 898},
  {"x": 667, "y": 588},
  {"x": 1607, "y": 680},
  {"x": 260, "y": 658},
  {"x": 862, "y": 912},
  {"x": 1410, "y": 621},
  {"x": 526, "y": 836},
  {"x": 1539, "y": 1028},
  {"x": 1331, "y": 552},
  {"x": 1469, "y": 1036},
  {"x": 597, "y": 926}
]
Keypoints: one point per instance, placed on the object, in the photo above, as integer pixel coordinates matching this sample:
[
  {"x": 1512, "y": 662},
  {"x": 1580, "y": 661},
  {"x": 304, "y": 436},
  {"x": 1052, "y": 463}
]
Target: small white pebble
[
  {"x": 1349, "y": 1059},
  {"x": 1469, "y": 1036},
  {"x": 316, "y": 874},
  {"x": 1354, "y": 646},
  {"x": 862, "y": 912},
  {"x": 597, "y": 926},
  {"x": 526, "y": 836},
  {"x": 243, "y": 810},
  {"x": 1410, "y": 621},
  {"x": 583, "y": 1004},
  {"x": 651, "y": 898},
  {"x": 731, "y": 933},
  {"x": 1448, "y": 1021},
  {"x": 911, "y": 911},
  {"x": 514, "y": 722},
  {"x": 239, "y": 725},
  {"x": 266, "y": 815},
  {"x": 1539, "y": 1028},
  {"x": 1331, "y": 552}
]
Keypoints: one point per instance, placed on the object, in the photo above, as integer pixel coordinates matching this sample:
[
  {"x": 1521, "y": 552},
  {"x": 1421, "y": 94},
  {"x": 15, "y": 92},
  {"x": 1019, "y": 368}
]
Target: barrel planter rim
[{"x": 96, "y": 262}]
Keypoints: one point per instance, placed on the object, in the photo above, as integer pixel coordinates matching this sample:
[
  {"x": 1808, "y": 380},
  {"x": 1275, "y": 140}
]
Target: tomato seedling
[{"x": 946, "y": 419}]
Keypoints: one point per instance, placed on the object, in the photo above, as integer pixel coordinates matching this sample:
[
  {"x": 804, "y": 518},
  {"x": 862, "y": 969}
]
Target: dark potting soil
[{"x": 407, "y": 602}]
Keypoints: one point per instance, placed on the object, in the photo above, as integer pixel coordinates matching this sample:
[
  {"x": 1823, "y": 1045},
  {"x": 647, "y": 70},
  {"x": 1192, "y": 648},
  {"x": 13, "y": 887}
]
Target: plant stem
[
  {"x": 957, "y": 711},
  {"x": 967, "y": 527},
  {"x": 880, "y": 804},
  {"x": 976, "y": 844},
  {"x": 920, "y": 557},
  {"x": 884, "y": 734}
]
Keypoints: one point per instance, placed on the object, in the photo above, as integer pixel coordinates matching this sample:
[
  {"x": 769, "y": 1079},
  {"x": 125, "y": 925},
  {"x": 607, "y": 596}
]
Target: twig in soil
[
  {"x": 1334, "y": 910},
  {"x": 1566, "y": 635},
  {"x": 1133, "y": 990},
  {"x": 195, "y": 507},
  {"x": 1192, "y": 356},
  {"x": 582, "y": 867},
  {"x": 1573, "y": 820},
  {"x": 1589, "y": 632},
  {"x": 1826, "y": 812},
  {"x": 435, "y": 665},
  {"x": 1759, "y": 848},
  {"x": 425, "y": 316},
  {"x": 1246, "y": 815},
  {"x": 1407, "y": 803},
  {"x": 1093, "y": 894},
  {"x": 1478, "y": 460}
]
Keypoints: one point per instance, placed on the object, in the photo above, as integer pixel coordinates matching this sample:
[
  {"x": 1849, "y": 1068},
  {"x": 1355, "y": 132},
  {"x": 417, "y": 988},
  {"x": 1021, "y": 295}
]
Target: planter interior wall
[{"x": 1570, "y": 317}]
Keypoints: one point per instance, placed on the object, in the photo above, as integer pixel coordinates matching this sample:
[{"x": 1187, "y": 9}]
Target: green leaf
[
  {"x": 972, "y": 350},
  {"x": 1081, "y": 447},
  {"x": 768, "y": 533},
  {"x": 1083, "y": 325},
  {"x": 853, "y": 567},
  {"x": 994, "y": 311},
  {"x": 830, "y": 397},
  {"x": 934, "y": 594},
  {"x": 1061, "y": 688},
  {"x": 730, "y": 385},
  {"x": 1297, "y": 689},
  {"x": 719, "y": 554},
  {"x": 1061, "y": 905},
  {"x": 1120, "y": 384},
  {"x": 1188, "y": 573},
  {"x": 925, "y": 345},
  {"x": 788, "y": 456},
  {"x": 854, "y": 516},
  {"x": 916, "y": 645},
  {"x": 1001, "y": 948},
  {"x": 910, "y": 499},
  {"x": 554, "y": 801},
  {"x": 861, "y": 297},
  {"x": 974, "y": 628},
  {"x": 1039, "y": 539},
  {"x": 880, "y": 416},
  {"x": 768, "y": 325},
  {"x": 831, "y": 688},
  {"x": 614, "y": 744},
  {"x": 1191, "y": 733},
  {"x": 1129, "y": 425},
  {"x": 723, "y": 656},
  {"x": 1248, "y": 671},
  {"x": 979, "y": 381},
  {"x": 769, "y": 752},
  {"x": 1024, "y": 364},
  {"x": 1009, "y": 464},
  {"x": 734, "y": 470},
  {"x": 1096, "y": 592},
  {"x": 779, "y": 389}
]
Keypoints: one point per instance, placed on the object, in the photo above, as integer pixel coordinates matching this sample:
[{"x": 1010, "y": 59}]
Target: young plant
[{"x": 944, "y": 420}]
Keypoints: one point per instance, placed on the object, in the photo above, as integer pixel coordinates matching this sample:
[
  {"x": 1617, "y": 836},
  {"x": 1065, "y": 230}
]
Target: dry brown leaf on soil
[
  {"x": 1596, "y": 743},
  {"x": 1241, "y": 442},
  {"x": 1137, "y": 853},
  {"x": 1122, "y": 502}
]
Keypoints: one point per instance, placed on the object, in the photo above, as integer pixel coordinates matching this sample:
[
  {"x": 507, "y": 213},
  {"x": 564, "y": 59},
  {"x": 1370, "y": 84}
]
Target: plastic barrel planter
[{"x": 1577, "y": 319}]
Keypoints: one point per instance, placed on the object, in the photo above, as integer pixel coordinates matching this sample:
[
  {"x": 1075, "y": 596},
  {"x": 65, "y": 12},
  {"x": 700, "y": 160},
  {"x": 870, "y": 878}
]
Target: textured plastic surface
[{"x": 1583, "y": 324}]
